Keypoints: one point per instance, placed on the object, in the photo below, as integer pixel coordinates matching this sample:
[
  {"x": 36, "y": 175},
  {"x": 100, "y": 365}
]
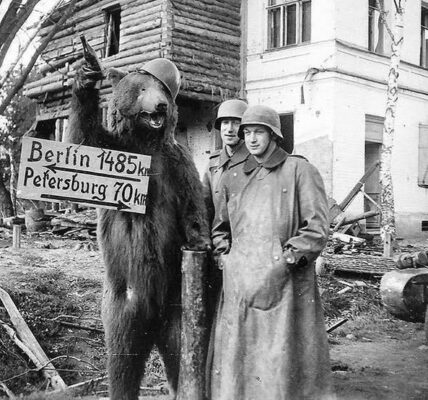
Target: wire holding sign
[{"x": 53, "y": 171}]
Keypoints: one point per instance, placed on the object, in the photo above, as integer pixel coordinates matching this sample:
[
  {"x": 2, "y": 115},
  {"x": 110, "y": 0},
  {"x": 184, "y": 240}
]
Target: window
[
  {"x": 424, "y": 37},
  {"x": 376, "y": 28},
  {"x": 423, "y": 156},
  {"x": 289, "y": 22},
  {"x": 45, "y": 129},
  {"x": 112, "y": 31},
  {"x": 51, "y": 129},
  {"x": 287, "y": 130}
]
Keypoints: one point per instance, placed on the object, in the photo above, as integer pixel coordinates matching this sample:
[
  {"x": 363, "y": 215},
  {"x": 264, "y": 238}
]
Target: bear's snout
[
  {"x": 152, "y": 100},
  {"x": 162, "y": 108}
]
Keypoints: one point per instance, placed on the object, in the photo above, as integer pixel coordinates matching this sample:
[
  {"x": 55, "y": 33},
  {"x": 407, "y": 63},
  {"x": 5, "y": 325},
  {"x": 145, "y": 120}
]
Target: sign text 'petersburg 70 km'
[{"x": 54, "y": 171}]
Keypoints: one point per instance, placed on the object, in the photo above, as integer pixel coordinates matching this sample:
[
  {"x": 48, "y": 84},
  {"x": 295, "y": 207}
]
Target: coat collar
[
  {"x": 277, "y": 157},
  {"x": 241, "y": 154}
]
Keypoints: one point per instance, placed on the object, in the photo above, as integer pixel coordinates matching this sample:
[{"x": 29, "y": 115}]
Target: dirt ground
[{"x": 57, "y": 280}]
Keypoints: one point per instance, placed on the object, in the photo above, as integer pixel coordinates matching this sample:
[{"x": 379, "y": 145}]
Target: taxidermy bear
[{"x": 142, "y": 252}]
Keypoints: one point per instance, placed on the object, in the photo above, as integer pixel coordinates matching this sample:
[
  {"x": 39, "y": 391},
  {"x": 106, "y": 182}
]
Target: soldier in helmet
[
  {"x": 221, "y": 163},
  {"x": 232, "y": 154},
  {"x": 270, "y": 341}
]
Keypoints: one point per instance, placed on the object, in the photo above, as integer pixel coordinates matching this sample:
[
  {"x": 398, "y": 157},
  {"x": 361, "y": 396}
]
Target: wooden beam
[
  {"x": 36, "y": 353},
  {"x": 348, "y": 199}
]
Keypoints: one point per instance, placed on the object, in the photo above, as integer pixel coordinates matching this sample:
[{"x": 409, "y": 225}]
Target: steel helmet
[
  {"x": 167, "y": 72},
  {"x": 230, "y": 109},
  {"x": 261, "y": 115}
]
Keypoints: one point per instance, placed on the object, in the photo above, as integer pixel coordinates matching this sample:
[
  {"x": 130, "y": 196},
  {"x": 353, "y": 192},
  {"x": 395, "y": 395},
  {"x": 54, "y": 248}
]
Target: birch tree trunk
[{"x": 387, "y": 229}]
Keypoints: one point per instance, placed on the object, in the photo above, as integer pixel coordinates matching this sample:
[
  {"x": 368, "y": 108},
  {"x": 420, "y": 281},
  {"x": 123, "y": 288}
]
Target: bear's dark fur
[{"x": 141, "y": 304}]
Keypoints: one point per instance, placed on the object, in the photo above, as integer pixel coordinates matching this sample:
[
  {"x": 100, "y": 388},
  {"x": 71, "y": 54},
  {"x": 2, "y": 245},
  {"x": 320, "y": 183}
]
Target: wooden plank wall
[
  {"x": 140, "y": 41},
  {"x": 206, "y": 39},
  {"x": 202, "y": 37}
]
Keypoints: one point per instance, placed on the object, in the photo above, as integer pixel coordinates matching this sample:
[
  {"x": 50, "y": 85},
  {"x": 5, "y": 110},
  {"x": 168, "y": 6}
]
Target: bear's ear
[{"x": 114, "y": 75}]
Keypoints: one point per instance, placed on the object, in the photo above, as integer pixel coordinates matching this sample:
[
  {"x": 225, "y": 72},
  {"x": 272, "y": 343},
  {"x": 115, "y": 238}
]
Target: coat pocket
[{"x": 268, "y": 282}]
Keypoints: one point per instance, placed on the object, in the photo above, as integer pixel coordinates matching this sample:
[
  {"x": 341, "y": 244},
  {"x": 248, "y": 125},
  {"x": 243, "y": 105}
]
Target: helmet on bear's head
[{"x": 167, "y": 72}]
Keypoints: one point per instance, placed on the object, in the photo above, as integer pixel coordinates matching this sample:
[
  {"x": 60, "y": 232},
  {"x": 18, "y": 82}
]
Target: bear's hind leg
[
  {"x": 168, "y": 342},
  {"x": 129, "y": 341}
]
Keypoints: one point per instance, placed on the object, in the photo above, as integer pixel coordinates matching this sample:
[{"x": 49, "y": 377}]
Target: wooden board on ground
[
  {"x": 96, "y": 177},
  {"x": 363, "y": 264}
]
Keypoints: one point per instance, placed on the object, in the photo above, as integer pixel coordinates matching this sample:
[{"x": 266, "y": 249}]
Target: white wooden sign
[{"x": 54, "y": 171}]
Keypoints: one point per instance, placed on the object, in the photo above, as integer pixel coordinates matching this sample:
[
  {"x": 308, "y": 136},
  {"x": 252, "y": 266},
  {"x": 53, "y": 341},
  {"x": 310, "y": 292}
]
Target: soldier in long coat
[
  {"x": 232, "y": 154},
  {"x": 270, "y": 340}
]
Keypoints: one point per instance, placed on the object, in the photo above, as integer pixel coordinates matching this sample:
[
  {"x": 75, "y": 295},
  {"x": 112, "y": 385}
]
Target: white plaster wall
[
  {"x": 313, "y": 120},
  {"x": 323, "y": 20},
  {"x": 354, "y": 101},
  {"x": 194, "y": 121},
  {"x": 410, "y": 51},
  {"x": 351, "y": 20},
  {"x": 350, "y": 84},
  {"x": 256, "y": 25}
]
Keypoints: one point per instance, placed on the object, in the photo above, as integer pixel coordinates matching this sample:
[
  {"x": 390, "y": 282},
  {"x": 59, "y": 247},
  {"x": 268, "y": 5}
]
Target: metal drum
[{"x": 402, "y": 293}]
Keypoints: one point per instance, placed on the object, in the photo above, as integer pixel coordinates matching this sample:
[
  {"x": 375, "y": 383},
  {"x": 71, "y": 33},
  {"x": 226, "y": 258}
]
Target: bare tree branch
[
  {"x": 19, "y": 55},
  {"x": 20, "y": 83},
  {"x": 18, "y": 21},
  {"x": 8, "y": 18},
  {"x": 397, "y": 6}
]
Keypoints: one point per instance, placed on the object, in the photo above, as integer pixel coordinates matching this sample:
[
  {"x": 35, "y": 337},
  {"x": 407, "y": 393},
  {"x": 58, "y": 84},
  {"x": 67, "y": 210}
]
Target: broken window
[
  {"x": 289, "y": 22},
  {"x": 112, "y": 31},
  {"x": 424, "y": 37},
  {"x": 376, "y": 27},
  {"x": 423, "y": 156}
]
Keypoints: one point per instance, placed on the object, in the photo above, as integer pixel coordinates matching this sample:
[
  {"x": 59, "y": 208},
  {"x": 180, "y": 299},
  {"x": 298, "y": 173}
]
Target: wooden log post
[
  {"x": 16, "y": 239},
  {"x": 191, "y": 384}
]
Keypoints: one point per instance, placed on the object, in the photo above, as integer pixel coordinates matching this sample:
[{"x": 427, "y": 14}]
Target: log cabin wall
[
  {"x": 206, "y": 40},
  {"x": 202, "y": 37}
]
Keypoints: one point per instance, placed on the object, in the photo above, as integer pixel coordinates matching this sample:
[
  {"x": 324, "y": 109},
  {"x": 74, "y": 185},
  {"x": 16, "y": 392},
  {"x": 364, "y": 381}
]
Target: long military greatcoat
[
  {"x": 218, "y": 166},
  {"x": 270, "y": 339}
]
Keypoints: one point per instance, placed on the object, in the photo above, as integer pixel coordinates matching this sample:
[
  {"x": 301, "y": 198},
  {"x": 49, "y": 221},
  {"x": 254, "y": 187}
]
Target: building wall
[
  {"x": 195, "y": 130},
  {"x": 342, "y": 83}
]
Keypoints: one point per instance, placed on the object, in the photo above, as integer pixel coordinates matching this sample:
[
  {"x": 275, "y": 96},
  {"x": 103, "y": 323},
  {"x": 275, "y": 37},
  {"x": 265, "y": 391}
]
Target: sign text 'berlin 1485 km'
[{"x": 53, "y": 171}]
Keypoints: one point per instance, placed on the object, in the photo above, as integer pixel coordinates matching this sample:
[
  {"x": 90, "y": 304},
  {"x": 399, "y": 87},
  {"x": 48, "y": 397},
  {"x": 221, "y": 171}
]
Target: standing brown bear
[{"x": 142, "y": 252}]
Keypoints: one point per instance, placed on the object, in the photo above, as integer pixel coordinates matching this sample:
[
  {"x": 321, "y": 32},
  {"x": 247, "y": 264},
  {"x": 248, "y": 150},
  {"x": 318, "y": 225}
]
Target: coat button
[
  {"x": 276, "y": 258},
  {"x": 234, "y": 174},
  {"x": 284, "y": 190}
]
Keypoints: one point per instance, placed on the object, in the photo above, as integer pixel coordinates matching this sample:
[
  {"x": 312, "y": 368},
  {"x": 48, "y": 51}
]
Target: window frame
[
  {"x": 284, "y": 6},
  {"x": 113, "y": 19},
  {"x": 423, "y": 156},
  {"x": 424, "y": 38},
  {"x": 379, "y": 46}
]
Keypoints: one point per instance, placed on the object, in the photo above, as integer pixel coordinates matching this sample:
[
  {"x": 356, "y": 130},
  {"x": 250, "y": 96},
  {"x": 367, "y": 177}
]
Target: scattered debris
[
  {"x": 412, "y": 260},
  {"x": 336, "y": 325},
  {"x": 6, "y": 390},
  {"x": 344, "y": 290},
  {"x": 343, "y": 237},
  {"x": 337, "y": 216},
  {"x": 78, "y": 326},
  {"x": 320, "y": 266},
  {"x": 28, "y": 343}
]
